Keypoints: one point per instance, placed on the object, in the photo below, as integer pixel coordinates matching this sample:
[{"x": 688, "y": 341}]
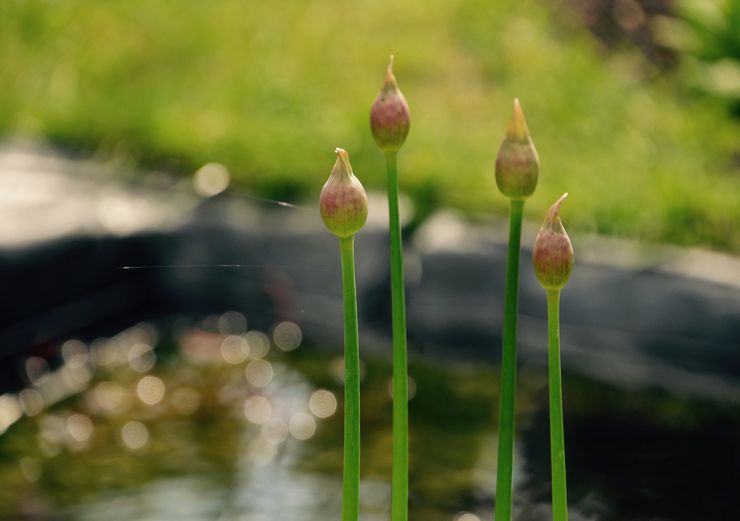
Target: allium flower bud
[
  {"x": 553, "y": 253},
  {"x": 517, "y": 164},
  {"x": 343, "y": 202},
  {"x": 389, "y": 117}
]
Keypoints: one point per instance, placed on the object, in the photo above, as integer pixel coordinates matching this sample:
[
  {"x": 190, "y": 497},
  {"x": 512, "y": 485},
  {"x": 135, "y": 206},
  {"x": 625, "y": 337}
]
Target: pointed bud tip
[
  {"x": 518, "y": 125},
  {"x": 342, "y": 164},
  {"x": 552, "y": 213},
  {"x": 389, "y": 84}
]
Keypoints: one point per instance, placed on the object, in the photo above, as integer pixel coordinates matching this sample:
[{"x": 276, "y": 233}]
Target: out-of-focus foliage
[
  {"x": 269, "y": 90},
  {"x": 619, "y": 23},
  {"x": 709, "y": 35}
]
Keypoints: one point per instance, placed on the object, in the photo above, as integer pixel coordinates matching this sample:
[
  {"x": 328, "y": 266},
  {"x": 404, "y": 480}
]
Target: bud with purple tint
[
  {"x": 552, "y": 256},
  {"x": 517, "y": 164},
  {"x": 389, "y": 116},
  {"x": 343, "y": 202}
]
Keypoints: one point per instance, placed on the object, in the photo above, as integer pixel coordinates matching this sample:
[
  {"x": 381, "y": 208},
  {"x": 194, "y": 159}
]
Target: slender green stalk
[
  {"x": 505, "y": 465},
  {"x": 351, "y": 478},
  {"x": 557, "y": 438},
  {"x": 400, "y": 480}
]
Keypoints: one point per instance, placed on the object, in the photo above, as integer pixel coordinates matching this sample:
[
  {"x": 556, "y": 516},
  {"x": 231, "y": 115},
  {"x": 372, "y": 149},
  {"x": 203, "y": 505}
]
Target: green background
[{"x": 270, "y": 88}]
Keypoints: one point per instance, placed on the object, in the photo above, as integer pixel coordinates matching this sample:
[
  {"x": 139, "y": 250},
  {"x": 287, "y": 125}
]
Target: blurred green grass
[{"x": 270, "y": 88}]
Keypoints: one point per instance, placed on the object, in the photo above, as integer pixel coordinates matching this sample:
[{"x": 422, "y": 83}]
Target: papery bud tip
[
  {"x": 390, "y": 78},
  {"x": 518, "y": 125},
  {"x": 343, "y": 160},
  {"x": 552, "y": 213}
]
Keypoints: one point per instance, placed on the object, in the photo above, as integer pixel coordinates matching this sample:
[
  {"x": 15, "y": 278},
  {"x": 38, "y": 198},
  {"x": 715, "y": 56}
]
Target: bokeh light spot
[
  {"x": 232, "y": 323},
  {"x": 234, "y": 349},
  {"x": 135, "y": 435},
  {"x": 32, "y": 403},
  {"x": 259, "y": 373},
  {"x": 150, "y": 390},
  {"x": 75, "y": 354},
  {"x": 211, "y": 179},
  {"x": 141, "y": 358},
  {"x": 322, "y": 403},
  {"x": 80, "y": 427},
  {"x": 258, "y": 409},
  {"x": 110, "y": 397},
  {"x": 466, "y": 516},
  {"x": 259, "y": 344},
  {"x": 36, "y": 369},
  {"x": 287, "y": 336},
  {"x": 302, "y": 426}
]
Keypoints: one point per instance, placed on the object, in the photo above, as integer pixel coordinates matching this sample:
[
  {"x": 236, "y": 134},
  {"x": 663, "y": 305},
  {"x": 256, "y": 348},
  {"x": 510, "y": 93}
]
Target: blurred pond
[
  {"x": 203, "y": 418},
  {"x": 171, "y": 351}
]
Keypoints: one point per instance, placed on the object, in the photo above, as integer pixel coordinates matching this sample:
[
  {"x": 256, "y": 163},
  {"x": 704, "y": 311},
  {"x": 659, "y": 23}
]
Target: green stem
[
  {"x": 351, "y": 478},
  {"x": 400, "y": 480},
  {"x": 557, "y": 438},
  {"x": 505, "y": 465}
]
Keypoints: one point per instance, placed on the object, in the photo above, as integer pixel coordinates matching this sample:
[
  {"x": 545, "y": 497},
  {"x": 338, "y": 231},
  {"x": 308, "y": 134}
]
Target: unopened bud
[
  {"x": 553, "y": 253},
  {"x": 389, "y": 117},
  {"x": 517, "y": 163},
  {"x": 343, "y": 202}
]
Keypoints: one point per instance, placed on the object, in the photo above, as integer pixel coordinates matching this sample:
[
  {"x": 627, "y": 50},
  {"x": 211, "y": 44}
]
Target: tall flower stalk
[
  {"x": 389, "y": 122},
  {"x": 343, "y": 206},
  {"x": 517, "y": 170},
  {"x": 552, "y": 259}
]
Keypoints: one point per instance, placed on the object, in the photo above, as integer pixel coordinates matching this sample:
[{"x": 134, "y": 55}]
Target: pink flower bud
[
  {"x": 389, "y": 117},
  {"x": 343, "y": 202},
  {"x": 552, "y": 257},
  {"x": 517, "y": 164}
]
